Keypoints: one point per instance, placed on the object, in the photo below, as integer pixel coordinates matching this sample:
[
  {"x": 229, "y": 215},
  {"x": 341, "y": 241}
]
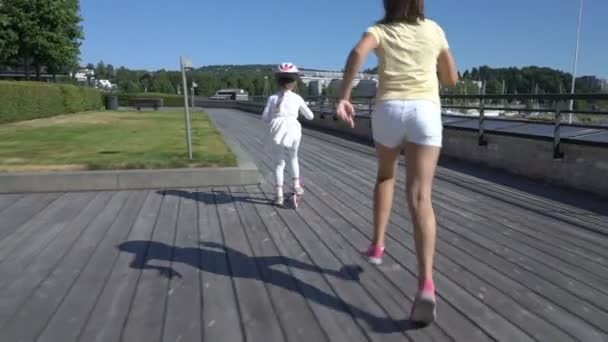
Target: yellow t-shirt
[{"x": 407, "y": 56}]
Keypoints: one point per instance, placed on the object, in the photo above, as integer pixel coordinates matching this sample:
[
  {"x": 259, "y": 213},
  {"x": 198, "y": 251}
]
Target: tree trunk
[
  {"x": 38, "y": 71},
  {"x": 26, "y": 66}
]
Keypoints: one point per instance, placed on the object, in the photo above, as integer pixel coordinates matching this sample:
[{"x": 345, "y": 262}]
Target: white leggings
[{"x": 280, "y": 154}]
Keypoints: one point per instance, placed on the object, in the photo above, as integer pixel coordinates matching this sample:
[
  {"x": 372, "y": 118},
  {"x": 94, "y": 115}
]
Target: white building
[
  {"x": 84, "y": 75},
  {"x": 309, "y": 75}
]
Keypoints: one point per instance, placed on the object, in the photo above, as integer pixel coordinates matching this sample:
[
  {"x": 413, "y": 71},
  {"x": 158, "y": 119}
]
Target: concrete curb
[{"x": 246, "y": 173}]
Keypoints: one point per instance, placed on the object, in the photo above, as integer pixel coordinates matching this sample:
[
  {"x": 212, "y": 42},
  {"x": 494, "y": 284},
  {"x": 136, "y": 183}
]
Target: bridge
[{"x": 516, "y": 260}]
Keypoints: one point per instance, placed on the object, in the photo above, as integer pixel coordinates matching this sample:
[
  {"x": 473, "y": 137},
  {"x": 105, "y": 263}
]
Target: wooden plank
[
  {"x": 581, "y": 283},
  {"x": 393, "y": 302},
  {"x": 596, "y": 223},
  {"x": 106, "y": 321},
  {"x": 15, "y": 218},
  {"x": 221, "y": 317},
  {"x": 317, "y": 241},
  {"x": 379, "y": 328},
  {"x": 247, "y": 143},
  {"x": 297, "y": 320},
  {"x": 79, "y": 283},
  {"x": 259, "y": 319},
  {"x": 37, "y": 231},
  {"x": 146, "y": 318},
  {"x": 446, "y": 177},
  {"x": 330, "y": 205},
  {"x": 46, "y": 232},
  {"x": 543, "y": 227},
  {"x": 582, "y": 328},
  {"x": 183, "y": 319},
  {"x": 452, "y": 322},
  {"x": 484, "y": 228},
  {"x": 587, "y": 278},
  {"x": 531, "y": 225},
  {"x": 69, "y": 318},
  {"x": 576, "y": 287},
  {"x": 597, "y": 268},
  {"x": 52, "y": 254},
  {"x": 28, "y": 286},
  {"x": 511, "y": 231},
  {"x": 447, "y": 195},
  {"x": 336, "y": 320}
]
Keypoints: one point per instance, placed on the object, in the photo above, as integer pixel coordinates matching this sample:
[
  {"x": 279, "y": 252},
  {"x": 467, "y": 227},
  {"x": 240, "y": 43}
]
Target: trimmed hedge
[
  {"x": 20, "y": 101},
  {"x": 169, "y": 100}
]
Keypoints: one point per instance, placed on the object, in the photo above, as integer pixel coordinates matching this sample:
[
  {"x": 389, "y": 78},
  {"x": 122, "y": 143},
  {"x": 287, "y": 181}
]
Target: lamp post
[
  {"x": 194, "y": 86},
  {"x": 185, "y": 65},
  {"x": 578, "y": 38}
]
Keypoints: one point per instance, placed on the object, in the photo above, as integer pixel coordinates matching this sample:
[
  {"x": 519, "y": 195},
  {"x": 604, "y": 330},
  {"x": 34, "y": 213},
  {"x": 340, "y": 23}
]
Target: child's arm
[
  {"x": 305, "y": 111},
  {"x": 266, "y": 115}
]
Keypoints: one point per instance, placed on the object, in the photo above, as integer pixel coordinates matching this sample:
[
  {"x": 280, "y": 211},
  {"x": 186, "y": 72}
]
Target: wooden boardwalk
[{"x": 516, "y": 261}]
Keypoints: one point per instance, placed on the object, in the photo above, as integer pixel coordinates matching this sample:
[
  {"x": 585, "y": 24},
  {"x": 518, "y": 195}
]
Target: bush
[
  {"x": 169, "y": 100},
  {"x": 21, "y": 101}
]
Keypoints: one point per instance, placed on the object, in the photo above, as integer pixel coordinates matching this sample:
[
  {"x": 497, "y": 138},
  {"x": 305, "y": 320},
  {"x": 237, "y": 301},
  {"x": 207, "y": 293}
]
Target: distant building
[
  {"x": 366, "y": 88},
  {"x": 231, "y": 95},
  {"x": 604, "y": 84},
  {"x": 84, "y": 76},
  {"x": 326, "y": 77},
  {"x": 315, "y": 88}
]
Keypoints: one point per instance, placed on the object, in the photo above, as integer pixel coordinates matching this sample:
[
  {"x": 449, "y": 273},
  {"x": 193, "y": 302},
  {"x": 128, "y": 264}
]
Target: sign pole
[{"x": 185, "y": 64}]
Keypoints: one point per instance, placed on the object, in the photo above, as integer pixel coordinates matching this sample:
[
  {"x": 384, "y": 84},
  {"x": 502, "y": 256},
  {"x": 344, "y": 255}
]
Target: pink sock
[{"x": 428, "y": 286}]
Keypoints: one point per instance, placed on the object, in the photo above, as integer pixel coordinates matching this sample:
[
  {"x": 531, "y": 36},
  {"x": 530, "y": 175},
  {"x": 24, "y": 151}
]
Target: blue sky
[{"x": 152, "y": 34}]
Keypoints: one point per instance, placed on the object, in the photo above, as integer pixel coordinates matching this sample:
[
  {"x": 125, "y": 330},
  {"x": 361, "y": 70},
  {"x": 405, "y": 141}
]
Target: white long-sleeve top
[
  {"x": 281, "y": 112},
  {"x": 291, "y": 105}
]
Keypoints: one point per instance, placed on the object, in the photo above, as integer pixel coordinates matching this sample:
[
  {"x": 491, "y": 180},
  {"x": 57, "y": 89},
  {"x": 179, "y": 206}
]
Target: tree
[
  {"x": 131, "y": 87},
  {"x": 19, "y": 32},
  {"x": 58, "y": 46},
  {"x": 8, "y": 36},
  {"x": 100, "y": 70},
  {"x": 40, "y": 33},
  {"x": 494, "y": 86},
  {"x": 110, "y": 73},
  {"x": 146, "y": 81}
]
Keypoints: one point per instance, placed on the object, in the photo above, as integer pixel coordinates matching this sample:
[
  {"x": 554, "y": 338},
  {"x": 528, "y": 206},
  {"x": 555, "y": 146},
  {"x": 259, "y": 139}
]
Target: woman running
[{"x": 413, "y": 56}]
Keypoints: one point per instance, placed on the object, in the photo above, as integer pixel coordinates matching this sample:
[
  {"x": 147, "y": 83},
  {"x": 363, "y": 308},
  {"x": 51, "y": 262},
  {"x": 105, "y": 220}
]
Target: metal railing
[
  {"x": 552, "y": 104},
  {"x": 525, "y": 106}
]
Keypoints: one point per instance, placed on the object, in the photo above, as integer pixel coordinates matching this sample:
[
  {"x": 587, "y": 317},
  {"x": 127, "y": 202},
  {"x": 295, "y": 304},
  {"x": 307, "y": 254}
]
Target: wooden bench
[{"x": 146, "y": 103}]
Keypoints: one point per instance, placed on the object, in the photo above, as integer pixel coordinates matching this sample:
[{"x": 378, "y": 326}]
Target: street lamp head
[{"x": 186, "y": 63}]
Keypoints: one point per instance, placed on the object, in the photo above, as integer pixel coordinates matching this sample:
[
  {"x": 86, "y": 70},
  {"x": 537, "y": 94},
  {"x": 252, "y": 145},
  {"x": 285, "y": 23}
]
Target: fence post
[
  {"x": 482, "y": 116},
  {"x": 557, "y": 152}
]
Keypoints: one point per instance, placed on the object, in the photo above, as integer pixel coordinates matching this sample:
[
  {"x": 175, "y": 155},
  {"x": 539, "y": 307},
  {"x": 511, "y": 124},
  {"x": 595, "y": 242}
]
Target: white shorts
[{"x": 396, "y": 122}]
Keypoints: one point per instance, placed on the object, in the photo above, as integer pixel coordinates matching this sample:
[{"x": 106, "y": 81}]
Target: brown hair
[{"x": 403, "y": 11}]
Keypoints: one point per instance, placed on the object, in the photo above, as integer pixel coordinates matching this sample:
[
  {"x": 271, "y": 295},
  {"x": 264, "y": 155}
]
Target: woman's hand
[{"x": 346, "y": 112}]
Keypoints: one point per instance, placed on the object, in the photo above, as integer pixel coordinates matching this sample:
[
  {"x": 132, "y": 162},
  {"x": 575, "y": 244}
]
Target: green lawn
[{"x": 111, "y": 140}]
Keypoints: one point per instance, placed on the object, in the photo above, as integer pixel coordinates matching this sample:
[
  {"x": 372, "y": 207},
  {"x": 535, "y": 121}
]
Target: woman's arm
[
  {"x": 355, "y": 61},
  {"x": 448, "y": 74}
]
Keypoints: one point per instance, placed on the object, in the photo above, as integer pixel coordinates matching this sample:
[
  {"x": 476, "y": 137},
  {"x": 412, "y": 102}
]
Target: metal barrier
[{"x": 554, "y": 105}]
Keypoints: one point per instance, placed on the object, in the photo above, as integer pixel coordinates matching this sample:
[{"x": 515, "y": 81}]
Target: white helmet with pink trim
[{"x": 287, "y": 70}]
